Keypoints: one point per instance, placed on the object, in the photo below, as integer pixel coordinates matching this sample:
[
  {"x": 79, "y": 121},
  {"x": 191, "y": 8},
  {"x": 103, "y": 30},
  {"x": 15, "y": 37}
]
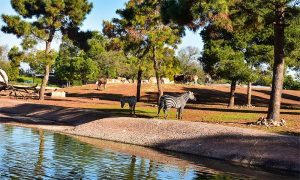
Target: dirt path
[{"x": 240, "y": 145}]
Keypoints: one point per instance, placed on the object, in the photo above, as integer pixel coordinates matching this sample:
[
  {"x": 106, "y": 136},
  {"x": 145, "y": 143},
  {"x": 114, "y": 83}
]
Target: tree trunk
[
  {"x": 46, "y": 75},
  {"x": 278, "y": 69},
  {"x": 139, "y": 85},
  {"x": 158, "y": 81},
  {"x": 44, "y": 82},
  {"x": 232, "y": 91},
  {"x": 249, "y": 94}
]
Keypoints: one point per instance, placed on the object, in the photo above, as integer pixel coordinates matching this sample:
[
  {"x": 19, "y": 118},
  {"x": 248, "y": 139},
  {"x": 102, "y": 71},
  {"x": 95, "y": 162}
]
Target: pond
[{"x": 37, "y": 154}]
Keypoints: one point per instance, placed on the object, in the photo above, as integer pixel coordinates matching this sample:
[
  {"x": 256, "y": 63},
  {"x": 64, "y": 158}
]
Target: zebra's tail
[
  {"x": 160, "y": 106},
  {"x": 161, "y": 101}
]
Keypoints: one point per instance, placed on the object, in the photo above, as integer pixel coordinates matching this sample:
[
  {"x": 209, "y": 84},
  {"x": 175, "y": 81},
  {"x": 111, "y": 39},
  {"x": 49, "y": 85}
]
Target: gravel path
[{"x": 240, "y": 145}]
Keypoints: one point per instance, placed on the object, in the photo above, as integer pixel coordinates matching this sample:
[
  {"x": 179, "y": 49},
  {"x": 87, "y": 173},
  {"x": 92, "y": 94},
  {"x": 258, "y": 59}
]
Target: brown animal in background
[
  {"x": 179, "y": 78},
  {"x": 100, "y": 82}
]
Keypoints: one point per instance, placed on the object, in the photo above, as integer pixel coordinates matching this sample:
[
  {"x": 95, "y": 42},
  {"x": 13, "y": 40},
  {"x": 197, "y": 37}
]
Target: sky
[{"x": 102, "y": 10}]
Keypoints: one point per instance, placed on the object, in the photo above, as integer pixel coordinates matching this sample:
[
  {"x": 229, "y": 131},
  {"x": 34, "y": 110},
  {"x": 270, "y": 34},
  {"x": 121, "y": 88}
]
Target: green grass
[
  {"x": 28, "y": 81},
  {"x": 237, "y": 119},
  {"x": 227, "y": 117},
  {"x": 25, "y": 79}
]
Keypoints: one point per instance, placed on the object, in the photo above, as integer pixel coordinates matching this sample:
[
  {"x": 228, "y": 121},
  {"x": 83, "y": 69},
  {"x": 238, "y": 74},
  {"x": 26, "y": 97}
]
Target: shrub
[{"x": 290, "y": 83}]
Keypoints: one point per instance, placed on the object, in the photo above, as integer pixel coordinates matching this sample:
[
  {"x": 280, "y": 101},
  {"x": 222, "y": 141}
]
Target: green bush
[
  {"x": 28, "y": 80},
  {"x": 76, "y": 83},
  {"x": 263, "y": 80},
  {"x": 290, "y": 83},
  {"x": 20, "y": 80}
]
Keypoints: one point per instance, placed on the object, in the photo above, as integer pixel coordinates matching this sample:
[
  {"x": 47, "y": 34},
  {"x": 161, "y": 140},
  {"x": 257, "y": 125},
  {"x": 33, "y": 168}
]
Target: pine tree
[
  {"x": 41, "y": 20},
  {"x": 144, "y": 33}
]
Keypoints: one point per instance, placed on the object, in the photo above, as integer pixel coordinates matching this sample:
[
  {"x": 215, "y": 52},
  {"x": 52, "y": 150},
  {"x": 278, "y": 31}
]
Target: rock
[
  {"x": 122, "y": 79},
  {"x": 145, "y": 81},
  {"x": 262, "y": 121},
  {"x": 165, "y": 81},
  {"x": 152, "y": 80},
  {"x": 58, "y": 94},
  {"x": 113, "y": 81}
]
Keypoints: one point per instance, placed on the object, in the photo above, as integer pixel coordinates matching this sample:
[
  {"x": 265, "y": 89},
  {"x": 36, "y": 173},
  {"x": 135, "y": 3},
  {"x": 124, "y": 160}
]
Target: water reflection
[
  {"x": 39, "y": 171},
  {"x": 37, "y": 154}
]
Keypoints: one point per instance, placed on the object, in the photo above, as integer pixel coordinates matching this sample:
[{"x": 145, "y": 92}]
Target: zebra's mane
[{"x": 186, "y": 96}]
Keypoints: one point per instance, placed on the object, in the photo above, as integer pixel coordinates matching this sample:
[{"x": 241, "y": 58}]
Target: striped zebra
[
  {"x": 167, "y": 102},
  {"x": 131, "y": 100}
]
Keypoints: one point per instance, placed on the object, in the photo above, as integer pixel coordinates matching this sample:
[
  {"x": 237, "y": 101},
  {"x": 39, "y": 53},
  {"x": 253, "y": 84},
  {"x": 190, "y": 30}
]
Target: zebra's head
[{"x": 192, "y": 96}]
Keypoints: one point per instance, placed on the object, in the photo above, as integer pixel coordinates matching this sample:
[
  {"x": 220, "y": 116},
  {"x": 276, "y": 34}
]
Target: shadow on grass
[
  {"x": 289, "y": 133},
  {"x": 100, "y": 96},
  {"x": 284, "y": 95},
  {"x": 216, "y": 97},
  {"x": 236, "y": 110},
  {"x": 50, "y": 114}
]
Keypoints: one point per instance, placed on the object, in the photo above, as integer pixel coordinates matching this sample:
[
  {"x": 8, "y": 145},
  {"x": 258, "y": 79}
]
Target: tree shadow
[
  {"x": 205, "y": 96},
  {"x": 292, "y": 133},
  {"x": 262, "y": 150},
  {"x": 101, "y": 96},
  {"x": 216, "y": 97},
  {"x": 58, "y": 115},
  {"x": 203, "y": 167},
  {"x": 284, "y": 95},
  {"x": 219, "y": 109}
]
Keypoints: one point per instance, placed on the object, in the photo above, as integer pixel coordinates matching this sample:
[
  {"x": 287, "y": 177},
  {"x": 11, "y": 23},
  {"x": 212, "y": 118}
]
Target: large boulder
[
  {"x": 122, "y": 79},
  {"x": 113, "y": 81},
  {"x": 165, "y": 81},
  {"x": 144, "y": 81},
  {"x": 58, "y": 94},
  {"x": 152, "y": 80}
]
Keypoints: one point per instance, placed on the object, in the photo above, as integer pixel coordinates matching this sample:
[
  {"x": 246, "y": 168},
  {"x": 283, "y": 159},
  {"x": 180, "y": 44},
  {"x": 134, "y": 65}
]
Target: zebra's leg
[
  {"x": 177, "y": 113},
  {"x": 133, "y": 109},
  {"x": 159, "y": 108},
  {"x": 181, "y": 110},
  {"x": 165, "y": 113}
]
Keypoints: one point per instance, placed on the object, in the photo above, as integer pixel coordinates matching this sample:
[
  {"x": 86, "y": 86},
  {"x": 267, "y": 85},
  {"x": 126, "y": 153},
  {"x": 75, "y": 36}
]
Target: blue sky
[{"x": 102, "y": 10}]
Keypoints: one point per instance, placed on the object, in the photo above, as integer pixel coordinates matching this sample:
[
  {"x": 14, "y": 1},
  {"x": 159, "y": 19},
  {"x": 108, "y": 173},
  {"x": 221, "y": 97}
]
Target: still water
[{"x": 36, "y": 154}]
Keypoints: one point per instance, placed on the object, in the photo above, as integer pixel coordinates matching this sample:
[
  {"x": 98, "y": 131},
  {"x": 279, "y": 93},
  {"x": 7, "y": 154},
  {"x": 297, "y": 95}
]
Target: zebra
[
  {"x": 131, "y": 100},
  {"x": 166, "y": 102}
]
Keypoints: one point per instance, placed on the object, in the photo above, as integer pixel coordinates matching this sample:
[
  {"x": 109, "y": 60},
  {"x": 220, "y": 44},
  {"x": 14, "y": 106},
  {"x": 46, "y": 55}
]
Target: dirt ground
[{"x": 211, "y": 104}]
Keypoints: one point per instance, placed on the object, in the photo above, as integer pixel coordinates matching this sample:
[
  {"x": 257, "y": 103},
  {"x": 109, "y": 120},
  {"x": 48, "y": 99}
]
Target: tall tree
[
  {"x": 282, "y": 17},
  {"x": 169, "y": 63},
  {"x": 189, "y": 64},
  {"x": 141, "y": 23},
  {"x": 222, "y": 59},
  {"x": 121, "y": 37},
  {"x": 40, "y": 20},
  {"x": 73, "y": 63},
  {"x": 15, "y": 57}
]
